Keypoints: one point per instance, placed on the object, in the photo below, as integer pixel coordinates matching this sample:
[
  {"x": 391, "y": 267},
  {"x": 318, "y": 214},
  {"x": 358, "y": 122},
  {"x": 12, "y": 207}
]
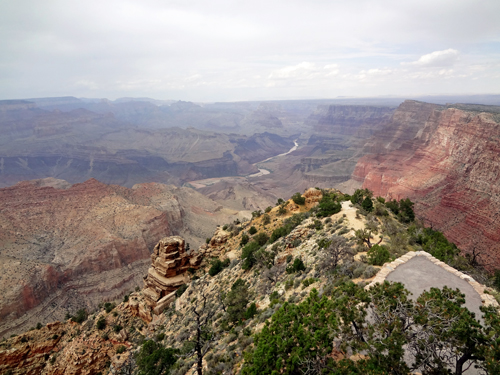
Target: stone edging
[{"x": 387, "y": 268}]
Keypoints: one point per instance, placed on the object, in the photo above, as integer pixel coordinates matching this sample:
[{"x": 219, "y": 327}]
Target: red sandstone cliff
[{"x": 448, "y": 161}]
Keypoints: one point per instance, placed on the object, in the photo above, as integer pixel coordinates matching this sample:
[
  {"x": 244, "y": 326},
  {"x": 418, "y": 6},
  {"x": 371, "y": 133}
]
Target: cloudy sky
[{"x": 243, "y": 50}]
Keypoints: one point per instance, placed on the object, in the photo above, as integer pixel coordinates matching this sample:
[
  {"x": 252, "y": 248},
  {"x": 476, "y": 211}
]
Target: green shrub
[
  {"x": 367, "y": 204},
  {"x": 317, "y": 224},
  {"x": 117, "y": 328},
  {"x": 101, "y": 323},
  {"x": 237, "y": 301},
  {"x": 282, "y": 209},
  {"x": 218, "y": 266},
  {"x": 108, "y": 306},
  {"x": 154, "y": 359},
  {"x": 360, "y": 194},
  {"x": 328, "y": 206},
  {"x": 496, "y": 280},
  {"x": 80, "y": 316},
  {"x": 248, "y": 255},
  {"x": 261, "y": 238},
  {"x": 39, "y": 325},
  {"x": 252, "y": 230},
  {"x": 435, "y": 243},
  {"x": 125, "y": 298},
  {"x": 393, "y": 205},
  {"x": 298, "y": 199},
  {"x": 406, "y": 214},
  {"x": 208, "y": 240},
  {"x": 323, "y": 243},
  {"x": 268, "y": 209},
  {"x": 289, "y": 224},
  {"x": 369, "y": 272},
  {"x": 251, "y": 311},
  {"x": 120, "y": 349},
  {"x": 224, "y": 227},
  {"x": 244, "y": 239},
  {"x": 298, "y": 265},
  {"x": 295, "y": 333},
  {"x": 257, "y": 213},
  {"x": 308, "y": 282},
  {"x": 179, "y": 292},
  {"x": 266, "y": 219},
  {"x": 160, "y": 336},
  {"x": 378, "y": 255}
]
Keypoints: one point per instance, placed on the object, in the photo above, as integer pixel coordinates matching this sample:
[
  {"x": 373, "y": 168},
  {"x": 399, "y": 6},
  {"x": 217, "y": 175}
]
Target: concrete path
[{"x": 419, "y": 274}]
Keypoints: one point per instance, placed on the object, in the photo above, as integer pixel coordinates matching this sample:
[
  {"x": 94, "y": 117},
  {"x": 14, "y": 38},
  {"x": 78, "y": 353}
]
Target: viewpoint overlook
[{"x": 343, "y": 236}]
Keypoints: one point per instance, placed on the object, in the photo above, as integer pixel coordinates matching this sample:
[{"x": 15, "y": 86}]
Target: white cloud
[
  {"x": 437, "y": 59},
  {"x": 205, "y": 51},
  {"x": 304, "y": 70}
]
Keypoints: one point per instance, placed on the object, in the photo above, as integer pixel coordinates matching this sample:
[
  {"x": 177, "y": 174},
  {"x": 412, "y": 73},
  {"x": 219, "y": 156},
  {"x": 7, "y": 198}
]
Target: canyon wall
[
  {"x": 339, "y": 131},
  {"x": 446, "y": 159},
  {"x": 65, "y": 247}
]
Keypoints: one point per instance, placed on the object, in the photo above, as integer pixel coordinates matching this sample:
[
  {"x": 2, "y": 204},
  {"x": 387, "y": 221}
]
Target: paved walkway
[
  {"x": 419, "y": 271},
  {"x": 419, "y": 274}
]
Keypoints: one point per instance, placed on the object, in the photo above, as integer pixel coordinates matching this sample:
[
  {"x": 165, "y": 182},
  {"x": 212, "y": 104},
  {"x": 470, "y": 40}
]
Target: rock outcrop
[
  {"x": 168, "y": 271},
  {"x": 447, "y": 159}
]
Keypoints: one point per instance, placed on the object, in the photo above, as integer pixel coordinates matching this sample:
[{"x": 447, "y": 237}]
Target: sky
[{"x": 220, "y": 50}]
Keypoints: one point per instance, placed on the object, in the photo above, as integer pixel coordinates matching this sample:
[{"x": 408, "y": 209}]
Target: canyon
[
  {"x": 65, "y": 247},
  {"x": 96, "y": 202},
  {"x": 446, "y": 159},
  {"x": 81, "y": 144}
]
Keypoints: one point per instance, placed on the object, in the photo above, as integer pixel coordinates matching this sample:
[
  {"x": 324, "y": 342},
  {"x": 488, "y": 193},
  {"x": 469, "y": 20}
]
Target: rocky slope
[
  {"x": 447, "y": 159},
  {"x": 60, "y": 242},
  {"x": 109, "y": 341}
]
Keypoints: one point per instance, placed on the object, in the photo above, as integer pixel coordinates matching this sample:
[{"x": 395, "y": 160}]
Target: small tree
[
  {"x": 364, "y": 236},
  {"x": 337, "y": 250},
  {"x": 298, "y": 199},
  {"x": 266, "y": 219},
  {"x": 248, "y": 255},
  {"x": 367, "y": 204},
  {"x": 236, "y": 301},
  {"x": 154, "y": 359},
  {"x": 203, "y": 336},
  {"x": 244, "y": 239},
  {"x": 298, "y": 265},
  {"x": 261, "y": 238}
]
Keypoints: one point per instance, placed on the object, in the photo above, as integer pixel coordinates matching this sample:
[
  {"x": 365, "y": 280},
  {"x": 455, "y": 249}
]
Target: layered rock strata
[
  {"x": 168, "y": 271},
  {"x": 64, "y": 247},
  {"x": 447, "y": 160}
]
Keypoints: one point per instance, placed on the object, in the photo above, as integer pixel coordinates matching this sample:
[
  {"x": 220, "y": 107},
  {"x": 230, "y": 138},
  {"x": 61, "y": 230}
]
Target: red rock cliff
[
  {"x": 448, "y": 161},
  {"x": 61, "y": 248}
]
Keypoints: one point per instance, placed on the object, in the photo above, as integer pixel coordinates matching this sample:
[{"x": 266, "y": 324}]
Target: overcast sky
[{"x": 244, "y": 50}]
